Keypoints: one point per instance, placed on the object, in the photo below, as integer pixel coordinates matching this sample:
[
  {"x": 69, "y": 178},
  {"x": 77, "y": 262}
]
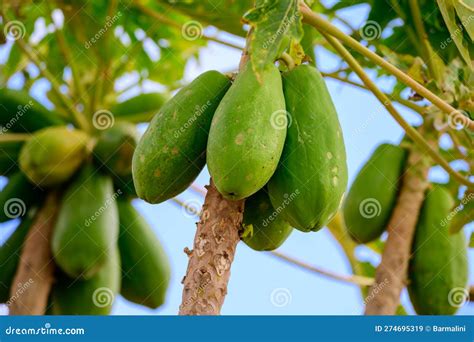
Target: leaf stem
[
  {"x": 411, "y": 132},
  {"x": 14, "y": 137},
  {"x": 325, "y": 26}
]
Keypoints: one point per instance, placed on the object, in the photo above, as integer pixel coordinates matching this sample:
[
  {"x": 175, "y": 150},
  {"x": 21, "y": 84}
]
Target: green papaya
[
  {"x": 145, "y": 266},
  {"x": 438, "y": 270},
  {"x": 311, "y": 177},
  {"x": 171, "y": 153},
  {"x": 10, "y": 253},
  {"x": 52, "y": 155},
  {"x": 87, "y": 225},
  {"x": 140, "y": 108},
  {"x": 9, "y": 153},
  {"x": 247, "y": 133},
  {"x": 263, "y": 228},
  {"x": 19, "y": 112},
  {"x": 373, "y": 194},
  {"x": 94, "y": 296},
  {"x": 115, "y": 147},
  {"x": 18, "y": 196}
]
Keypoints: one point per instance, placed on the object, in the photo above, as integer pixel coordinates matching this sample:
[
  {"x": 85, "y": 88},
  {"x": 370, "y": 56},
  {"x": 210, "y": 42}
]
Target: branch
[
  {"x": 36, "y": 268},
  {"x": 215, "y": 243},
  {"x": 353, "y": 279},
  {"x": 411, "y": 132},
  {"x": 323, "y": 25},
  {"x": 391, "y": 275},
  {"x": 14, "y": 137}
]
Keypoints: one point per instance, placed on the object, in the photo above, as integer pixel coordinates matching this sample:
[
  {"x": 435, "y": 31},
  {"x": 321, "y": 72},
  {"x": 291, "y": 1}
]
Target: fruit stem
[
  {"x": 325, "y": 26},
  {"x": 411, "y": 132},
  {"x": 286, "y": 58},
  {"x": 35, "y": 273}
]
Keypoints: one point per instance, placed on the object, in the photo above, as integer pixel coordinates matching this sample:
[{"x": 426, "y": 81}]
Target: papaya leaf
[
  {"x": 465, "y": 11},
  {"x": 272, "y": 20},
  {"x": 448, "y": 11}
]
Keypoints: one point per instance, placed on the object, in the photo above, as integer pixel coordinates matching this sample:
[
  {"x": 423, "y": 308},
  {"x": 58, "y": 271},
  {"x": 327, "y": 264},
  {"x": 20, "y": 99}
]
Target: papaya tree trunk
[
  {"x": 215, "y": 243},
  {"x": 35, "y": 275},
  {"x": 391, "y": 275}
]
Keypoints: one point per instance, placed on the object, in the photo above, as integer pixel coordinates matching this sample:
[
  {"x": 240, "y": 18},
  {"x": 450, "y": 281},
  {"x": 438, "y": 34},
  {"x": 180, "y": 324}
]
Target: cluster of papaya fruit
[
  {"x": 100, "y": 243},
  {"x": 272, "y": 138},
  {"x": 438, "y": 269}
]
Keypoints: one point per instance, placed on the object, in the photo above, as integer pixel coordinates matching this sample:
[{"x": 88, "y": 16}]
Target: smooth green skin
[
  {"x": 19, "y": 112},
  {"x": 245, "y": 143},
  {"x": 52, "y": 155},
  {"x": 141, "y": 108},
  {"x": 171, "y": 153},
  {"x": 76, "y": 296},
  {"x": 377, "y": 181},
  {"x": 311, "y": 178},
  {"x": 439, "y": 263},
  {"x": 145, "y": 266},
  {"x": 18, "y": 196},
  {"x": 10, "y": 253},
  {"x": 115, "y": 147},
  {"x": 9, "y": 153},
  {"x": 87, "y": 225},
  {"x": 264, "y": 229}
]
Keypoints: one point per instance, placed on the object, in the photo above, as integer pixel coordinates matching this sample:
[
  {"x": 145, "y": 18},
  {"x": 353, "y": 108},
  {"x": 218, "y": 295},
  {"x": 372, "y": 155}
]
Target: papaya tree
[{"x": 267, "y": 131}]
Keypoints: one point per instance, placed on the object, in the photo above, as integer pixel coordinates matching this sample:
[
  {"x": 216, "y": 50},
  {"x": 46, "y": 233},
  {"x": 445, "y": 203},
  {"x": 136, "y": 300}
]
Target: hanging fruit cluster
[
  {"x": 100, "y": 243},
  {"x": 272, "y": 138},
  {"x": 438, "y": 270}
]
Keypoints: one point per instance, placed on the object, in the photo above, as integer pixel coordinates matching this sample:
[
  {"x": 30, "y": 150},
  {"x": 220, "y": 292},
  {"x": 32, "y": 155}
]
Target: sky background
[{"x": 258, "y": 280}]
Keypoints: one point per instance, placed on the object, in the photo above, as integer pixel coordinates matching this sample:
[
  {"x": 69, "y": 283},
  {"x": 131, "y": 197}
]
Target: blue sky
[{"x": 256, "y": 275}]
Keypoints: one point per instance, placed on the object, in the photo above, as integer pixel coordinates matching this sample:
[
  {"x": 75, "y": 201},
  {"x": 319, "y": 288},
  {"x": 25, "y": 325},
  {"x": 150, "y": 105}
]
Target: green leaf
[
  {"x": 447, "y": 8},
  {"x": 465, "y": 11},
  {"x": 272, "y": 20}
]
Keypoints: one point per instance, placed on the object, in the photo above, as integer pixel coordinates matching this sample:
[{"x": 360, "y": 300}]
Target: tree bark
[
  {"x": 215, "y": 243},
  {"x": 34, "y": 276},
  {"x": 391, "y": 275}
]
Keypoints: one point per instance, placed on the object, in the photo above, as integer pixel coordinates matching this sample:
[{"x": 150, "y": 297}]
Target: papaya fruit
[
  {"x": 438, "y": 270},
  {"x": 171, "y": 153},
  {"x": 145, "y": 266},
  {"x": 311, "y": 177},
  {"x": 94, "y": 296},
  {"x": 87, "y": 225},
  {"x": 19, "y": 112},
  {"x": 115, "y": 147},
  {"x": 262, "y": 227},
  {"x": 140, "y": 108},
  {"x": 52, "y": 155},
  {"x": 247, "y": 133},
  {"x": 368, "y": 205},
  {"x": 10, "y": 253},
  {"x": 9, "y": 153},
  {"x": 17, "y": 197}
]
